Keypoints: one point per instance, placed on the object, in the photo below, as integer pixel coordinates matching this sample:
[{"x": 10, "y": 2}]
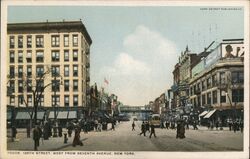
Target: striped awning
[
  {"x": 203, "y": 113},
  {"x": 22, "y": 115},
  {"x": 210, "y": 113},
  {"x": 62, "y": 115},
  {"x": 72, "y": 115}
]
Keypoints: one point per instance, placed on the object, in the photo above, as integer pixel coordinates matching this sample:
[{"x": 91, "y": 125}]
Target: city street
[{"x": 124, "y": 139}]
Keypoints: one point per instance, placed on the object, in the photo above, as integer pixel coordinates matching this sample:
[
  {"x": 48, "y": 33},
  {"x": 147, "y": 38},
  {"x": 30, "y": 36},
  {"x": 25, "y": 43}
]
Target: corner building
[{"x": 62, "y": 46}]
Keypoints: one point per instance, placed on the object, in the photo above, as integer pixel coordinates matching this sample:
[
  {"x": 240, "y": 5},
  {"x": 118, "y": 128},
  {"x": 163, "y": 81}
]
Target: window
[
  {"x": 214, "y": 80},
  {"x": 12, "y": 86},
  {"x": 29, "y": 86},
  {"x": 39, "y": 71},
  {"x": 56, "y": 100},
  {"x": 20, "y": 86},
  {"x": 55, "y": 41},
  {"x": 12, "y": 71},
  {"x": 20, "y": 71},
  {"x": 222, "y": 78},
  {"x": 203, "y": 85},
  {"x": 75, "y": 85},
  {"x": 29, "y": 56},
  {"x": 20, "y": 41},
  {"x": 55, "y": 85},
  {"x": 66, "y": 70},
  {"x": 66, "y": 40},
  {"x": 203, "y": 99},
  {"x": 40, "y": 85},
  {"x": 55, "y": 71},
  {"x": 237, "y": 95},
  {"x": 75, "y": 70},
  {"x": 75, "y": 40},
  {"x": 208, "y": 98},
  {"x": 39, "y": 41},
  {"x": 75, "y": 100},
  {"x": 66, "y": 55},
  {"x": 199, "y": 87},
  {"x": 39, "y": 56},
  {"x": 12, "y": 42},
  {"x": 20, "y": 56},
  {"x": 20, "y": 100},
  {"x": 29, "y": 97},
  {"x": 66, "y": 85},
  {"x": 41, "y": 101},
  {"x": 214, "y": 97},
  {"x": 66, "y": 100},
  {"x": 29, "y": 41},
  {"x": 75, "y": 55},
  {"x": 237, "y": 77},
  {"x": 12, "y": 56},
  {"x": 55, "y": 56},
  {"x": 222, "y": 96},
  {"x": 12, "y": 100},
  {"x": 29, "y": 71},
  {"x": 209, "y": 82}
]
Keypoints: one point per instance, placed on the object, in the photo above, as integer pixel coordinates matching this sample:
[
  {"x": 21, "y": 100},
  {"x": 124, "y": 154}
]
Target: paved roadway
[{"x": 124, "y": 139}]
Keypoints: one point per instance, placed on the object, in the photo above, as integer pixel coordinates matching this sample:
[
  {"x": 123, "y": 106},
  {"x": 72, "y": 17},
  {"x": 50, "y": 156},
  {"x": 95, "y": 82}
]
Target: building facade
[
  {"x": 56, "y": 52},
  {"x": 219, "y": 82}
]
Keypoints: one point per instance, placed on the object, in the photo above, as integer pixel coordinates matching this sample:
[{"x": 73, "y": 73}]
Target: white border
[{"x": 139, "y": 154}]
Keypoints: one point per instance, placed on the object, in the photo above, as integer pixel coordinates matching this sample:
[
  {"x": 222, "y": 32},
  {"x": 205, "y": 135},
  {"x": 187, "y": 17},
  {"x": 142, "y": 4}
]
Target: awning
[
  {"x": 9, "y": 115},
  {"x": 40, "y": 115},
  {"x": 22, "y": 115},
  {"x": 203, "y": 113},
  {"x": 72, "y": 115},
  {"x": 52, "y": 115},
  {"x": 62, "y": 115},
  {"x": 209, "y": 114}
]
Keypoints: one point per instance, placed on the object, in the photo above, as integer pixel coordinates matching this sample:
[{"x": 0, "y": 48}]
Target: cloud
[{"x": 143, "y": 68}]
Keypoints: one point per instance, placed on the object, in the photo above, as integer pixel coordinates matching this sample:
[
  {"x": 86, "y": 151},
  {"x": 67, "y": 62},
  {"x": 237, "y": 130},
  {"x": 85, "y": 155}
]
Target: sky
[{"x": 136, "y": 47}]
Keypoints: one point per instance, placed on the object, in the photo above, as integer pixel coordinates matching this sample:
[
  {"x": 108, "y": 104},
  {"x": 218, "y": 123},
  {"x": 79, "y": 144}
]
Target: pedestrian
[
  {"x": 152, "y": 130},
  {"x": 180, "y": 133},
  {"x": 133, "y": 126},
  {"x": 143, "y": 129},
  {"x": 28, "y": 130},
  {"x": 77, "y": 140},
  {"x": 113, "y": 125},
  {"x": 167, "y": 124},
  {"x": 147, "y": 127},
  {"x": 187, "y": 124},
  {"x": 46, "y": 131},
  {"x": 241, "y": 126},
  {"x": 230, "y": 125},
  {"x": 13, "y": 133},
  {"x": 70, "y": 129},
  {"x": 178, "y": 129},
  {"x": 195, "y": 125},
  {"x": 182, "y": 130},
  {"x": 217, "y": 124},
  {"x": 36, "y": 137},
  {"x": 60, "y": 131},
  {"x": 162, "y": 124},
  {"x": 96, "y": 124}
]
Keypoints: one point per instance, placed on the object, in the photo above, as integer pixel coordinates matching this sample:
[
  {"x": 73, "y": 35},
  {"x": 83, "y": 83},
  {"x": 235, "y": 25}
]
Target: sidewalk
[{"x": 22, "y": 143}]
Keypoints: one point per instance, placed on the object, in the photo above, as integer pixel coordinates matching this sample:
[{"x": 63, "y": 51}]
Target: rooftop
[{"x": 48, "y": 26}]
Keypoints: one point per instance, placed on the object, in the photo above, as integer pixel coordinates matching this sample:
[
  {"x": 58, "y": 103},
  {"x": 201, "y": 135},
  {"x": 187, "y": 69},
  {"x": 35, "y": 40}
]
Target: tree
[{"x": 32, "y": 84}]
